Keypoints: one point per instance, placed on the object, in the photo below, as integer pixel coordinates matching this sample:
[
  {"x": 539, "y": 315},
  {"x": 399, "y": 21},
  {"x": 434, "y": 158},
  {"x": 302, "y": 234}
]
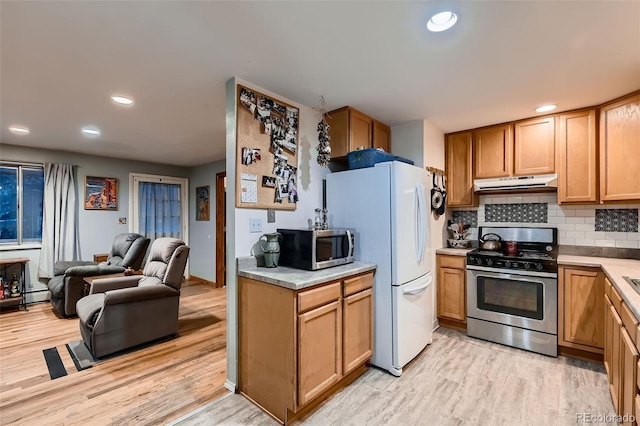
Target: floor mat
[
  {"x": 54, "y": 363},
  {"x": 81, "y": 355}
]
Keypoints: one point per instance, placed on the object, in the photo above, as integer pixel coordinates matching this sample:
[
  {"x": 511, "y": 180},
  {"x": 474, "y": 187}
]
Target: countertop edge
[
  {"x": 297, "y": 279},
  {"x": 614, "y": 269},
  {"x": 453, "y": 251}
]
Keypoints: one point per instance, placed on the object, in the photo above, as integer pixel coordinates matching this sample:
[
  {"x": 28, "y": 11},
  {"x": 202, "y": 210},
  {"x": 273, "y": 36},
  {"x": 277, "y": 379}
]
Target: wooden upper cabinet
[
  {"x": 350, "y": 129},
  {"x": 534, "y": 146},
  {"x": 620, "y": 150},
  {"x": 493, "y": 151},
  {"x": 381, "y": 136},
  {"x": 577, "y": 157},
  {"x": 458, "y": 168}
]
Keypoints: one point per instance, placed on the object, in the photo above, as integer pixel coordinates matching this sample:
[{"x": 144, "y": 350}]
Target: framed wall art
[
  {"x": 202, "y": 203},
  {"x": 100, "y": 193}
]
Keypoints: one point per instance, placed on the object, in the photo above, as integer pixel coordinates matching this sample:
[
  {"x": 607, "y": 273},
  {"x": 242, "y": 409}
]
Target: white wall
[
  {"x": 240, "y": 241},
  {"x": 97, "y": 227},
  {"x": 406, "y": 141},
  {"x": 202, "y": 234}
]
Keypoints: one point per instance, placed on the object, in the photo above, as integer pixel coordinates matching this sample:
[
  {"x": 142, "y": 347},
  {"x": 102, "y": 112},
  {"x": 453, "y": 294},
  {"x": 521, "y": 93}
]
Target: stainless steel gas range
[{"x": 513, "y": 298}]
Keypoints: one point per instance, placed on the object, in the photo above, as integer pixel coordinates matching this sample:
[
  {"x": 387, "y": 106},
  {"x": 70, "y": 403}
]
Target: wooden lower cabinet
[
  {"x": 297, "y": 347},
  {"x": 621, "y": 356},
  {"x": 452, "y": 290},
  {"x": 581, "y": 308}
]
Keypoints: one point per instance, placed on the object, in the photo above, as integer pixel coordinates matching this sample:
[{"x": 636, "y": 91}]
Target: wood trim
[
  {"x": 202, "y": 280},
  {"x": 221, "y": 229},
  {"x": 629, "y": 320},
  {"x": 449, "y": 323},
  {"x": 318, "y": 296},
  {"x": 580, "y": 354}
]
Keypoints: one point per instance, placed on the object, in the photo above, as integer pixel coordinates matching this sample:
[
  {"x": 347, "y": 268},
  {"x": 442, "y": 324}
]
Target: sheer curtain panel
[
  {"x": 60, "y": 240},
  {"x": 160, "y": 210}
]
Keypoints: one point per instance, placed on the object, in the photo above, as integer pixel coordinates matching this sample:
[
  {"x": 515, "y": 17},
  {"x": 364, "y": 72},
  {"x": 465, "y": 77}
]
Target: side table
[{"x": 22, "y": 299}]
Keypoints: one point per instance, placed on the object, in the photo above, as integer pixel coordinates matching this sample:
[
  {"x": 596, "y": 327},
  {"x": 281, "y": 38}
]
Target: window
[{"x": 21, "y": 198}]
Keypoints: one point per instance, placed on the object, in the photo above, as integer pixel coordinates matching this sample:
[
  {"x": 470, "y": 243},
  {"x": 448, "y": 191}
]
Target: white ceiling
[{"x": 61, "y": 61}]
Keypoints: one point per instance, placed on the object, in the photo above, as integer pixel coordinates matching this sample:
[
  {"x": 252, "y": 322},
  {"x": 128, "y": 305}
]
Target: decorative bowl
[{"x": 459, "y": 243}]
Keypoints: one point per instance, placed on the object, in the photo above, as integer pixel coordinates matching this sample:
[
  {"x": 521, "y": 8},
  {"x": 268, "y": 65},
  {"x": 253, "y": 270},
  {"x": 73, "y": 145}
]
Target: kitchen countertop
[
  {"x": 615, "y": 269},
  {"x": 453, "y": 251},
  {"x": 298, "y": 279}
]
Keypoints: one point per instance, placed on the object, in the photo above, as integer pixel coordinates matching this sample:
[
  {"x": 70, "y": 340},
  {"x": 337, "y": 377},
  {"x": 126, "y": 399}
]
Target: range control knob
[
  {"x": 479, "y": 261},
  {"x": 527, "y": 266},
  {"x": 507, "y": 264},
  {"x": 539, "y": 266},
  {"x": 489, "y": 262}
]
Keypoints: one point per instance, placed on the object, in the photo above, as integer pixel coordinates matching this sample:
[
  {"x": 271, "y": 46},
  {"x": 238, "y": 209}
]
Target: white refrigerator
[{"x": 387, "y": 206}]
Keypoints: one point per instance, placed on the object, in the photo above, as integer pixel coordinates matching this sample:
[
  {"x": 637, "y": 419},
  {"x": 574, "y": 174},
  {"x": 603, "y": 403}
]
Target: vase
[{"x": 271, "y": 248}]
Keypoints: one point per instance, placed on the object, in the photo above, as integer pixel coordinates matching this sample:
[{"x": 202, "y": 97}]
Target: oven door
[{"x": 522, "y": 301}]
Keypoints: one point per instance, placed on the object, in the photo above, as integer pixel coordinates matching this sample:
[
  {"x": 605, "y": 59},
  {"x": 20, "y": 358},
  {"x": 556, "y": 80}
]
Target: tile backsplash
[{"x": 579, "y": 225}]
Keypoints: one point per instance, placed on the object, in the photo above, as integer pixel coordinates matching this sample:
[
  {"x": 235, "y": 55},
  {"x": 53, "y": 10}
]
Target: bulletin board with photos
[{"x": 267, "y": 152}]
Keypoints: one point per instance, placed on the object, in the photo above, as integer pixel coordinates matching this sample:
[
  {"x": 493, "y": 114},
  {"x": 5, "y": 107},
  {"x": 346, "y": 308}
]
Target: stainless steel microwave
[{"x": 316, "y": 249}]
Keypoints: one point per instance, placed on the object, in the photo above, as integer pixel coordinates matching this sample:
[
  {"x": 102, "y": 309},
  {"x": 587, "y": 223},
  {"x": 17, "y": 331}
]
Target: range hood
[{"x": 517, "y": 183}]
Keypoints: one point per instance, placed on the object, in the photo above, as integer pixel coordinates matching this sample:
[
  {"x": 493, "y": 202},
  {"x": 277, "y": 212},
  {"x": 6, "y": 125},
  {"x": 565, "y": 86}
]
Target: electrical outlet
[
  {"x": 255, "y": 225},
  {"x": 271, "y": 215}
]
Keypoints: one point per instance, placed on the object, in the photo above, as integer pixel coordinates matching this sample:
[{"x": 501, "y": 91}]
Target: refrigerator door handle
[
  {"x": 423, "y": 220},
  {"x": 420, "y": 288},
  {"x": 418, "y": 222}
]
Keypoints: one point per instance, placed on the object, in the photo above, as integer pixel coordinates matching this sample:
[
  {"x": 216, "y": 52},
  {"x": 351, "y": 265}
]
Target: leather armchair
[
  {"x": 67, "y": 285},
  {"x": 123, "y": 312}
]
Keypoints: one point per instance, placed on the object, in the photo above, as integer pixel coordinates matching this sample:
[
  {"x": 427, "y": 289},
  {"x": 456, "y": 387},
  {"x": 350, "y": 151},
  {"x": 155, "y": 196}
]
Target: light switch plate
[
  {"x": 271, "y": 215},
  {"x": 255, "y": 225}
]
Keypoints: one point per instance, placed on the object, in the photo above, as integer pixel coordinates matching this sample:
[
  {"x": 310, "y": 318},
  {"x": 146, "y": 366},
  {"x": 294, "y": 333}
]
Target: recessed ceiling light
[
  {"x": 90, "y": 131},
  {"x": 545, "y": 108},
  {"x": 19, "y": 130},
  {"x": 122, "y": 100},
  {"x": 442, "y": 21}
]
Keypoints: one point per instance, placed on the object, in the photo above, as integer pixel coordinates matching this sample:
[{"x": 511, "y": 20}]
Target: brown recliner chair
[
  {"x": 120, "y": 313},
  {"x": 67, "y": 285}
]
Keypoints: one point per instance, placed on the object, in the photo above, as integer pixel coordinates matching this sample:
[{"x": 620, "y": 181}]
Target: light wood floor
[
  {"x": 458, "y": 380},
  {"x": 152, "y": 385}
]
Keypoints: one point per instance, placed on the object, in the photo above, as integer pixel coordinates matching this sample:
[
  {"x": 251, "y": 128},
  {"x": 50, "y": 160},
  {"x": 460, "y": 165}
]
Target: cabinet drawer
[
  {"x": 616, "y": 299},
  {"x": 455, "y": 262},
  {"x": 630, "y": 322},
  {"x": 318, "y": 296},
  {"x": 356, "y": 284}
]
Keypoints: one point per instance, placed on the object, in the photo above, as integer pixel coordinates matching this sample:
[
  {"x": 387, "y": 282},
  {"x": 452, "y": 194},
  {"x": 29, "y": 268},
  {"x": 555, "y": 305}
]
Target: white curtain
[{"x": 60, "y": 240}]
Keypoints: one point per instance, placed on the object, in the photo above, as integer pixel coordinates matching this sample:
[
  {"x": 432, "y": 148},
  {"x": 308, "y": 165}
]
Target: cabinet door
[
  {"x": 459, "y": 170},
  {"x": 629, "y": 361},
  {"x": 381, "y": 136},
  {"x": 452, "y": 294},
  {"x": 620, "y": 150},
  {"x": 319, "y": 350},
  {"x": 357, "y": 320},
  {"x": 615, "y": 367},
  {"x": 338, "y": 121},
  {"x": 581, "y": 309},
  {"x": 360, "y": 126},
  {"x": 535, "y": 146},
  {"x": 576, "y": 149},
  {"x": 493, "y": 152}
]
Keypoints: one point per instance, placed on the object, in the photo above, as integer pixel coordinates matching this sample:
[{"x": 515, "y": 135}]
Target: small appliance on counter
[{"x": 314, "y": 249}]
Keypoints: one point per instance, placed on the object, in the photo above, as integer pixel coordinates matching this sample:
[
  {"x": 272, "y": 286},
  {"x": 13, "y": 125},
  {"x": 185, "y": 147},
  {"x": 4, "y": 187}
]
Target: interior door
[{"x": 409, "y": 223}]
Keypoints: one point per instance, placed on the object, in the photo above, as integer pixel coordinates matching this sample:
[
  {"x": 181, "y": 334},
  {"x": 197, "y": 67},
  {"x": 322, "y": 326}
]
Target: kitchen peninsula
[{"x": 302, "y": 334}]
